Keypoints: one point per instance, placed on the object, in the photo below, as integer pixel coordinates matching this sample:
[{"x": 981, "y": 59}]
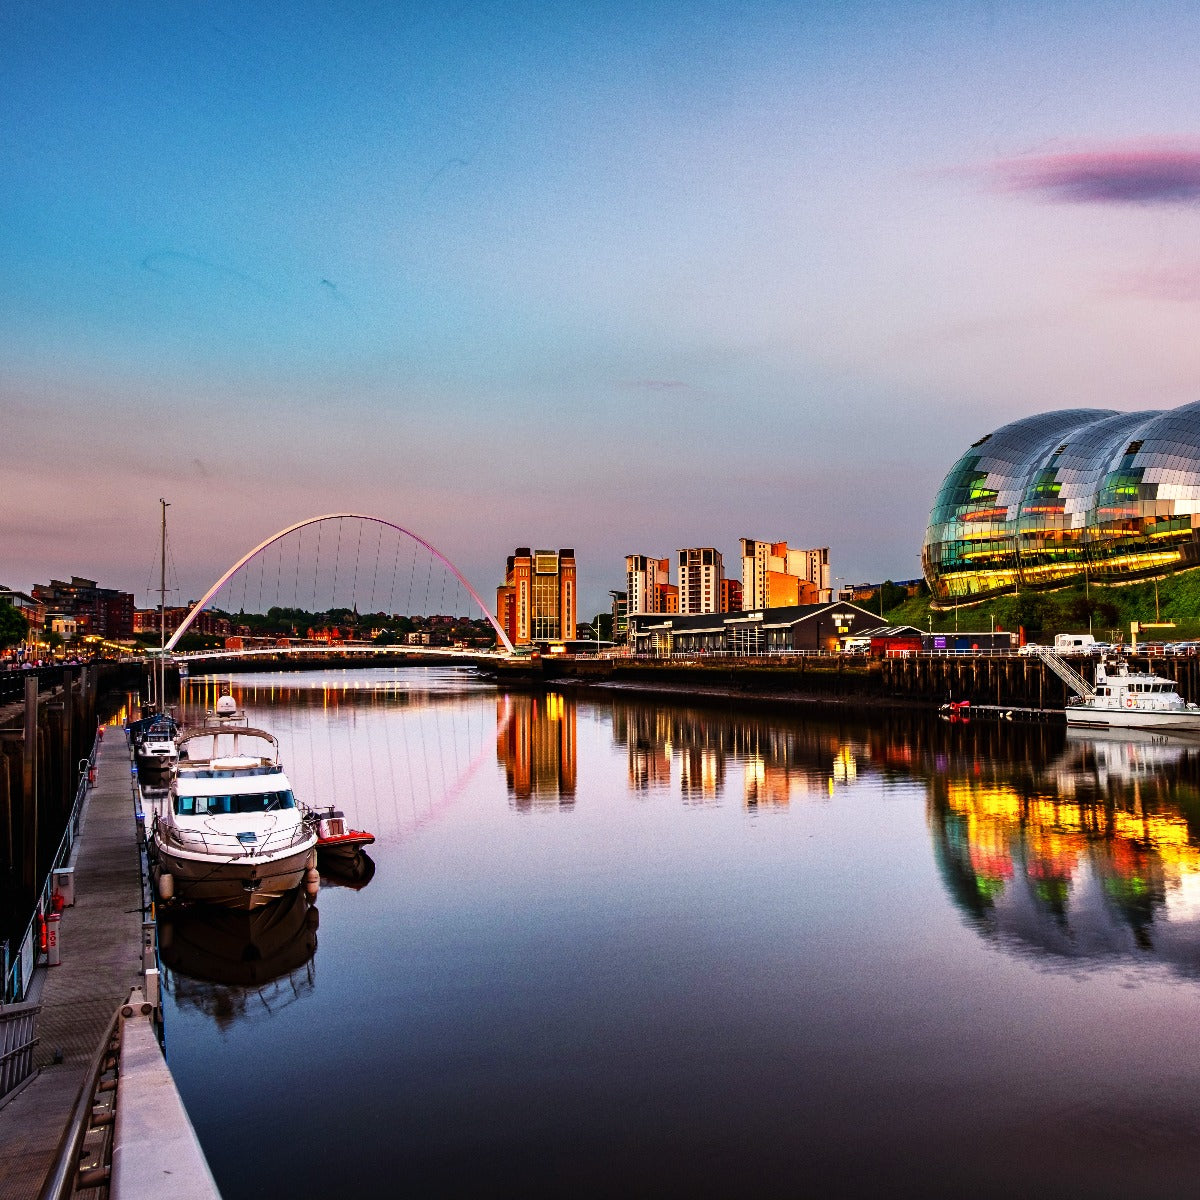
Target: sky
[{"x": 619, "y": 277}]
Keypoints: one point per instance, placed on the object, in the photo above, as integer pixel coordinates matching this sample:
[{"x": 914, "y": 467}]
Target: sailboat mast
[{"x": 162, "y": 613}]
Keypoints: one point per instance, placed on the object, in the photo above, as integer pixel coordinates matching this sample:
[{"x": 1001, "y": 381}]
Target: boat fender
[
  {"x": 166, "y": 886},
  {"x": 312, "y": 882}
]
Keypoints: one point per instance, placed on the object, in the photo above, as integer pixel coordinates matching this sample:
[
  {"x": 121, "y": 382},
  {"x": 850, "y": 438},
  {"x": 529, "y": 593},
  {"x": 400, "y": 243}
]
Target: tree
[
  {"x": 14, "y": 627},
  {"x": 602, "y": 622},
  {"x": 892, "y": 595}
]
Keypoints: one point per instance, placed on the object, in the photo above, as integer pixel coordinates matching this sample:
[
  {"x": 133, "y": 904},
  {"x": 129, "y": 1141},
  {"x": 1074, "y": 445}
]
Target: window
[{"x": 223, "y": 806}]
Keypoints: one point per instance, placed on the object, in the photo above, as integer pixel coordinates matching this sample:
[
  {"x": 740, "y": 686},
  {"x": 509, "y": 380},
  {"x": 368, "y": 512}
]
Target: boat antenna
[{"x": 162, "y": 613}]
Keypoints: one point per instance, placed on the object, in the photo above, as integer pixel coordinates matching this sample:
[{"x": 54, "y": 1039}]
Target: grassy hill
[{"x": 1044, "y": 614}]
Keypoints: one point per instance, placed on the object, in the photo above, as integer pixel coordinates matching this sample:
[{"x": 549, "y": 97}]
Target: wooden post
[{"x": 29, "y": 831}]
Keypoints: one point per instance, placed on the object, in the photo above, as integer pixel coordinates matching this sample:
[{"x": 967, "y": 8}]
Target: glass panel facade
[
  {"x": 1052, "y": 497},
  {"x": 545, "y": 625}
]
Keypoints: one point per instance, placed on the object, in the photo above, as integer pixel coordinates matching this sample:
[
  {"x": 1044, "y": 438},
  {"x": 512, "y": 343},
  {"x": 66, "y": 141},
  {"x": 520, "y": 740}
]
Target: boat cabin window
[{"x": 219, "y": 806}]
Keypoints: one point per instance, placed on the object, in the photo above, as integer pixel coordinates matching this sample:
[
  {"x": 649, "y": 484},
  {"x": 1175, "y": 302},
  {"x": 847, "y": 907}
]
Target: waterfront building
[
  {"x": 146, "y": 620},
  {"x": 647, "y": 582},
  {"x": 89, "y": 608},
  {"x": 775, "y": 575},
  {"x": 620, "y": 615},
  {"x": 1073, "y": 495},
  {"x": 536, "y": 602},
  {"x": 26, "y": 605},
  {"x": 701, "y": 570},
  {"x": 811, "y": 627},
  {"x": 731, "y": 595}
]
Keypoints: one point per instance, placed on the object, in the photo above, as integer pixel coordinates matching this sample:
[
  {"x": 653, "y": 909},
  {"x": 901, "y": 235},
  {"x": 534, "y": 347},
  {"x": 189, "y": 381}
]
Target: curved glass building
[{"x": 1049, "y": 498}]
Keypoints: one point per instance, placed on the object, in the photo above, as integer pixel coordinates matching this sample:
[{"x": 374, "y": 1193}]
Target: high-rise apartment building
[
  {"x": 731, "y": 595},
  {"x": 643, "y": 576},
  {"x": 536, "y": 601},
  {"x": 776, "y": 576},
  {"x": 620, "y": 615},
  {"x": 701, "y": 571}
]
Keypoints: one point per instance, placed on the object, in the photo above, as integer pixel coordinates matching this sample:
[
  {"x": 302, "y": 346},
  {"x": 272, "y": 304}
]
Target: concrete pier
[{"x": 101, "y": 940}]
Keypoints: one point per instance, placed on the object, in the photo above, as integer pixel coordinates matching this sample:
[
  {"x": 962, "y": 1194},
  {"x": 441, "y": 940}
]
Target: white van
[{"x": 1079, "y": 643}]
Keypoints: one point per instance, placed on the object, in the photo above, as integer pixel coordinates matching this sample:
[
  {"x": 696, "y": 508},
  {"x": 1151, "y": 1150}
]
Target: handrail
[
  {"x": 60, "y": 1183},
  {"x": 1065, "y": 671},
  {"x": 17, "y": 1040},
  {"x": 228, "y": 843},
  {"x": 16, "y": 980}
]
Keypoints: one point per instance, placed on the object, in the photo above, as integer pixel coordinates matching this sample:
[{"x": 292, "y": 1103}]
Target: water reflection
[
  {"x": 349, "y": 871},
  {"x": 1053, "y": 844},
  {"x": 1075, "y": 847},
  {"x": 1094, "y": 856},
  {"x": 233, "y": 965},
  {"x": 738, "y": 916},
  {"x": 776, "y": 762},
  {"x": 536, "y": 739},
  {"x": 393, "y": 750}
]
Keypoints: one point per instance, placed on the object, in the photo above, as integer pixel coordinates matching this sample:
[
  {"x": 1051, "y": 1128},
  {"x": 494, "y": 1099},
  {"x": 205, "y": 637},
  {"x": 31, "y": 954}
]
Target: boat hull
[
  {"x": 1163, "y": 720},
  {"x": 153, "y": 766},
  {"x": 245, "y": 882}
]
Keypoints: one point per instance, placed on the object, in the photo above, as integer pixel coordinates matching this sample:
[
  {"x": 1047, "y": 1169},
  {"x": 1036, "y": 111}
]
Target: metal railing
[
  {"x": 1065, "y": 672},
  {"x": 17, "y": 1040},
  {"x": 69, "y": 1171},
  {"x": 18, "y": 968},
  {"x": 229, "y": 844}
]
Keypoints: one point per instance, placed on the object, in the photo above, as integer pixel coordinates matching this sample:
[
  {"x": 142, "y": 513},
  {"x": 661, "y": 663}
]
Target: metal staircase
[{"x": 1065, "y": 671}]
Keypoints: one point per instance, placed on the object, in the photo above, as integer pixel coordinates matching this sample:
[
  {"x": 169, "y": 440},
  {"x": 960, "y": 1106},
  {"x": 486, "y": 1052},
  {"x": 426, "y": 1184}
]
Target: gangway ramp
[{"x": 1065, "y": 671}]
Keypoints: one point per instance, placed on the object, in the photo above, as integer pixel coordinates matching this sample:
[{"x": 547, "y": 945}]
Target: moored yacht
[
  {"x": 228, "y": 830},
  {"x": 1125, "y": 699},
  {"x": 154, "y": 746}
]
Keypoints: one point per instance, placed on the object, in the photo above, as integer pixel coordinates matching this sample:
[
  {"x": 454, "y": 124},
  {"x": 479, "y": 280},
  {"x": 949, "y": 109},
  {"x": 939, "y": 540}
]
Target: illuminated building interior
[{"x": 1069, "y": 495}]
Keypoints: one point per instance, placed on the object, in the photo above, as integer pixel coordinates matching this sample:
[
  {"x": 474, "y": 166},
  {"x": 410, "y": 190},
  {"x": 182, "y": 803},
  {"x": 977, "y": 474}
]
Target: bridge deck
[{"x": 101, "y": 961}]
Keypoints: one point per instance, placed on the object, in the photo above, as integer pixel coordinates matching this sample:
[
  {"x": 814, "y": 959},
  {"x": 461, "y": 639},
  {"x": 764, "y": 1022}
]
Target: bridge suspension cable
[{"x": 319, "y": 521}]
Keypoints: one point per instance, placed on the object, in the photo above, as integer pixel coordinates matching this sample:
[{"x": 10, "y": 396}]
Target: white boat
[
  {"x": 1125, "y": 699},
  {"x": 155, "y": 751},
  {"x": 228, "y": 829}
]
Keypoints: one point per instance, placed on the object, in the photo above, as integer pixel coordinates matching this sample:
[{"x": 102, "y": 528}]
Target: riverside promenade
[{"x": 101, "y": 940}]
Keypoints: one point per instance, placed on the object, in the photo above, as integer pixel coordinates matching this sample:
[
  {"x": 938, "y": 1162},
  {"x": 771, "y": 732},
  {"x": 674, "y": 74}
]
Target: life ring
[{"x": 1129, "y": 701}]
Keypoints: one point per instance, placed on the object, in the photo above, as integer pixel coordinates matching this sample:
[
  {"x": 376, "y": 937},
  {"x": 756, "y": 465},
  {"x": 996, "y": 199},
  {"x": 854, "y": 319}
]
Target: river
[{"x": 613, "y": 947}]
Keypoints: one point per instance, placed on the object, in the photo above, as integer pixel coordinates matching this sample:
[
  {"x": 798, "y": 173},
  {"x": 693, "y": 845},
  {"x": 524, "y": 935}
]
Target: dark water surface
[{"x": 619, "y": 948}]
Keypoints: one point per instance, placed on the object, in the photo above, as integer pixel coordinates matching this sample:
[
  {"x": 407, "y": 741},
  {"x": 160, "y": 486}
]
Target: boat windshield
[{"x": 254, "y": 802}]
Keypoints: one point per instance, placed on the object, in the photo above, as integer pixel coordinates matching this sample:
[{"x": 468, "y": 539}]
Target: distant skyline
[{"x": 625, "y": 278}]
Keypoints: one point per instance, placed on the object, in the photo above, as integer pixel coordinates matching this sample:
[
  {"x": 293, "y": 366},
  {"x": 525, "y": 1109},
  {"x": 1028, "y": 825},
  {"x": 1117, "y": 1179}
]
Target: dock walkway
[{"x": 101, "y": 940}]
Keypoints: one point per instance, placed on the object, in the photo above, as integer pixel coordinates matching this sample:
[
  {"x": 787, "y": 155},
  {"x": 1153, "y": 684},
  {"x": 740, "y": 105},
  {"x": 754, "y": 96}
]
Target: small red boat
[{"x": 335, "y": 840}]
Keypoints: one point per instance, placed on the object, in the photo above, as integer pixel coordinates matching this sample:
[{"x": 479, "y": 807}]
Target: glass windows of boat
[{"x": 221, "y": 806}]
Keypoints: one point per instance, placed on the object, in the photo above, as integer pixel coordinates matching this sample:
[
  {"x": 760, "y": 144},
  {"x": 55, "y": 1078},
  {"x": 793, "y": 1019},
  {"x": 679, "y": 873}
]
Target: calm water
[{"x": 613, "y": 948}]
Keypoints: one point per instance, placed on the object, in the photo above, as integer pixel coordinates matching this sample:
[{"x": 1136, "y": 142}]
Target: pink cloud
[
  {"x": 1145, "y": 173},
  {"x": 1181, "y": 284}
]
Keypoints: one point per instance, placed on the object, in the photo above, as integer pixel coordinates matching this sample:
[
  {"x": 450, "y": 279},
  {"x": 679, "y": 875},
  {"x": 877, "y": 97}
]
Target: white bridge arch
[{"x": 198, "y": 607}]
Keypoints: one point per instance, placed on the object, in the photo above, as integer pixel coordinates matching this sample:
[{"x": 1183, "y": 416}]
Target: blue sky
[{"x": 618, "y": 277}]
